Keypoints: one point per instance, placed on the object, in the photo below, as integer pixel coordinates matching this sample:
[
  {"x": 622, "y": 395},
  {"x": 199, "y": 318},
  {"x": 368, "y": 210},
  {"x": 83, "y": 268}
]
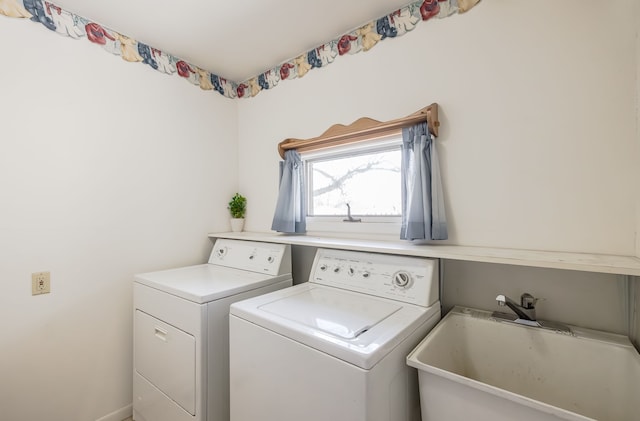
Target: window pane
[{"x": 369, "y": 183}]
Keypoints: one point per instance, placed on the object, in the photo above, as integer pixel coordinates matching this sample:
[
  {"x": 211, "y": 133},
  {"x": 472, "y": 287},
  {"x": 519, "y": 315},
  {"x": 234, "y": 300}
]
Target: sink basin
[{"x": 472, "y": 366}]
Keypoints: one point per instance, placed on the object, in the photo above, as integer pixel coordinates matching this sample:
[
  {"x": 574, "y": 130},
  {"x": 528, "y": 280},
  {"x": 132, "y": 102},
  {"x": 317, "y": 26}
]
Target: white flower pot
[{"x": 237, "y": 224}]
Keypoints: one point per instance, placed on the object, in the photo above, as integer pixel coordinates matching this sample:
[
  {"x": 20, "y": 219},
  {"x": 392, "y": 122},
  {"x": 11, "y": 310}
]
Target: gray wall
[
  {"x": 591, "y": 300},
  {"x": 635, "y": 324}
]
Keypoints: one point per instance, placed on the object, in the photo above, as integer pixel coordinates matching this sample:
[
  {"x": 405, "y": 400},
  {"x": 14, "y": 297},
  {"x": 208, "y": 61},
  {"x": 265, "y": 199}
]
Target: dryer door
[{"x": 165, "y": 356}]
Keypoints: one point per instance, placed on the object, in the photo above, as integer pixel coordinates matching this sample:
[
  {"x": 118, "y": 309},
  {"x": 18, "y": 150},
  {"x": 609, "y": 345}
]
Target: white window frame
[{"x": 377, "y": 226}]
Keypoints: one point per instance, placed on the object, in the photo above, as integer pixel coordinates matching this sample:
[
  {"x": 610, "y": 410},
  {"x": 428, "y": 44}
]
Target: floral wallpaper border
[{"x": 364, "y": 38}]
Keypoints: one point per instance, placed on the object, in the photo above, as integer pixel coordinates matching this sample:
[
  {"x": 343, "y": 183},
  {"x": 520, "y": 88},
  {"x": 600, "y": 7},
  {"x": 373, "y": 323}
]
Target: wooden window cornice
[{"x": 362, "y": 129}]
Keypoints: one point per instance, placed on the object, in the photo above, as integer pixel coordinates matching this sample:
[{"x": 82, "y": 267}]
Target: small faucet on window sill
[{"x": 350, "y": 218}]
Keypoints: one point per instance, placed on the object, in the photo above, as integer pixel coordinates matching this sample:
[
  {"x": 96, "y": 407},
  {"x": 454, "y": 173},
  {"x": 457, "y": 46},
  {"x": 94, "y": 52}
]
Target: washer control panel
[
  {"x": 409, "y": 279},
  {"x": 269, "y": 258}
]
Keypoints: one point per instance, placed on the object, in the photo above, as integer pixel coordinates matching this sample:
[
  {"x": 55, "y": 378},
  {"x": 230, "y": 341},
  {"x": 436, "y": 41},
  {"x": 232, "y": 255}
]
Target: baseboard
[{"x": 119, "y": 415}]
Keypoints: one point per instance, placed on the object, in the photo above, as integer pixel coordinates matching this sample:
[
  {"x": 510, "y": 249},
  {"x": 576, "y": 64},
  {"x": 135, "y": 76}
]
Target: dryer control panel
[
  {"x": 412, "y": 280},
  {"x": 272, "y": 259}
]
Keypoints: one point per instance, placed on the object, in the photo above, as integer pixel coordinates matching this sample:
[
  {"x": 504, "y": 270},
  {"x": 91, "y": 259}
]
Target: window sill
[
  {"x": 366, "y": 229},
  {"x": 586, "y": 262}
]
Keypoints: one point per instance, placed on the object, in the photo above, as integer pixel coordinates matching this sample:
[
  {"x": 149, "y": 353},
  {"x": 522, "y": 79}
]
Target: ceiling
[{"x": 235, "y": 39}]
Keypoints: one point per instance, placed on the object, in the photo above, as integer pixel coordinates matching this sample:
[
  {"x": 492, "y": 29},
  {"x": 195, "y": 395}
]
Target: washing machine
[
  {"x": 181, "y": 329},
  {"x": 334, "y": 348}
]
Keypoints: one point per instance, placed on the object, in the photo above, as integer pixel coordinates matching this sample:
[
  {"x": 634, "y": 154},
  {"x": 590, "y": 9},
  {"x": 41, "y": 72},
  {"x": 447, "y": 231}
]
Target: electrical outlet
[{"x": 40, "y": 283}]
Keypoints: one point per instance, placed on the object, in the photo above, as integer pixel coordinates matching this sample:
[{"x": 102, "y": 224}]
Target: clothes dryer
[
  {"x": 181, "y": 328},
  {"x": 334, "y": 348}
]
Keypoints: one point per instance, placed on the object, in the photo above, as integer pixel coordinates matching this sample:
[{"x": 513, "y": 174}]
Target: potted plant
[{"x": 237, "y": 208}]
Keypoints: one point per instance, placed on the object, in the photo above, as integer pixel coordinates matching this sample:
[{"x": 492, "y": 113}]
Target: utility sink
[{"x": 474, "y": 366}]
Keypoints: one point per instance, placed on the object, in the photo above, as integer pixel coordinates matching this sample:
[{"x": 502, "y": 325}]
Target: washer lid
[
  {"x": 330, "y": 311},
  {"x": 357, "y": 328},
  {"x": 205, "y": 283}
]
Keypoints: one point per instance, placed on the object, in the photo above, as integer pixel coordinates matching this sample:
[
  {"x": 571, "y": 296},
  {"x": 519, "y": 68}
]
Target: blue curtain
[
  {"x": 423, "y": 215},
  {"x": 290, "y": 215}
]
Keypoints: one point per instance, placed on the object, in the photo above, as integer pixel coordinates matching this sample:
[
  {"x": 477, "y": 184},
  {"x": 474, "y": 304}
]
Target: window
[
  {"x": 347, "y": 177},
  {"x": 365, "y": 176}
]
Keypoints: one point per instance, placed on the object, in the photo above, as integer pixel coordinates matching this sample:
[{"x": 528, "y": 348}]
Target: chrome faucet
[
  {"x": 527, "y": 308},
  {"x": 526, "y": 314},
  {"x": 350, "y": 218}
]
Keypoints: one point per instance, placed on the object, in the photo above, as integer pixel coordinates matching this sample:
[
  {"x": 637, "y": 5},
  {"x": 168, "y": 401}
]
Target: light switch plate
[{"x": 40, "y": 283}]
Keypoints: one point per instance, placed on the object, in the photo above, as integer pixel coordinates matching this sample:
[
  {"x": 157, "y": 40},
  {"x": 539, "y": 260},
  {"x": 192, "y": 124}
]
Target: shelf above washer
[{"x": 586, "y": 262}]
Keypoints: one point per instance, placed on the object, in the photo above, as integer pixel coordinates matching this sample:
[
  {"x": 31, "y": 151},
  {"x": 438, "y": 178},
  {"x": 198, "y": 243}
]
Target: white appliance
[
  {"x": 181, "y": 329},
  {"x": 334, "y": 348}
]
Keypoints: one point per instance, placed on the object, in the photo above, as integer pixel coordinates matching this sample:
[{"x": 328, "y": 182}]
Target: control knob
[
  {"x": 221, "y": 252},
  {"x": 402, "y": 279}
]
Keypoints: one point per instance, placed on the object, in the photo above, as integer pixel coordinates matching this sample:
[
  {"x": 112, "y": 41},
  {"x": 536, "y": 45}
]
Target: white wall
[
  {"x": 539, "y": 144},
  {"x": 636, "y": 322},
  {"x": 538, "y": 120},
  {"x": 106, "y": 169},
  {"x": 637, "y": 39}
]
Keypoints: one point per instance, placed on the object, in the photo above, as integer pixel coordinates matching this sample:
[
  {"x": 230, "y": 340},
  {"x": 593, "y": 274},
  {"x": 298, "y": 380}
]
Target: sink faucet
[
  {"x": 527, "y": 308},
  {"x": 526, "y": 313}
]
